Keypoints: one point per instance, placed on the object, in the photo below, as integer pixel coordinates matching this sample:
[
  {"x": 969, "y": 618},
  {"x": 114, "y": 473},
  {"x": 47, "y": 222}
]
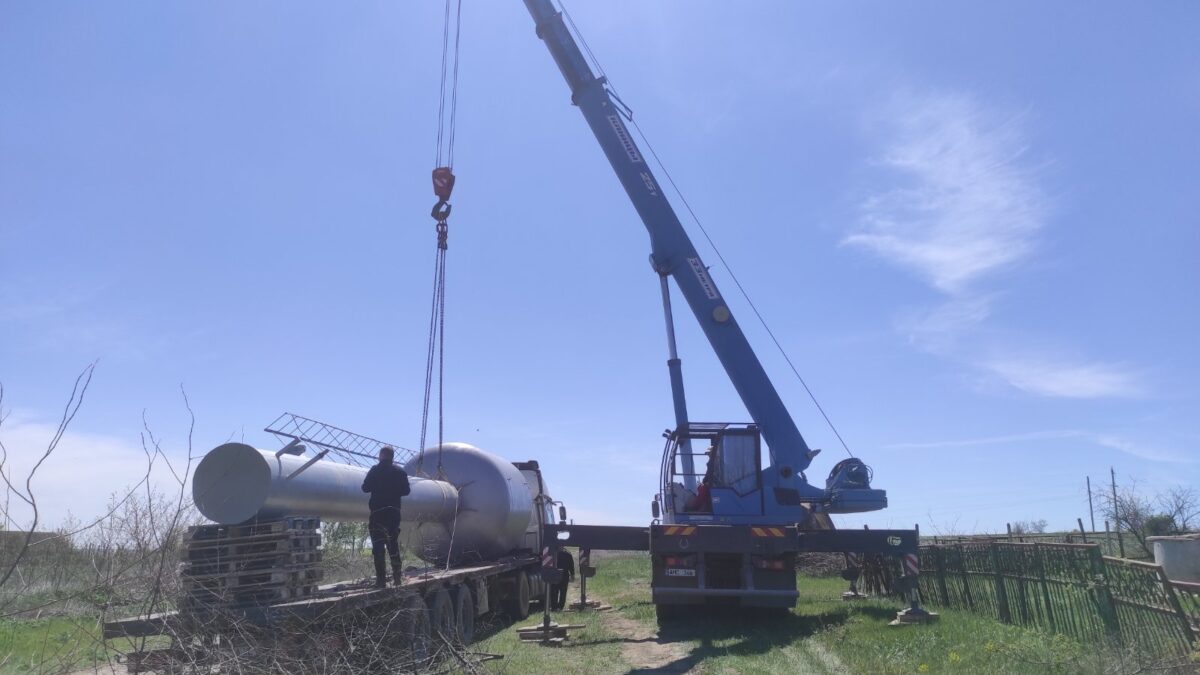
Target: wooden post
[
  {"x": 1081, "y": 532},
  {"x": 966, "y": 577},
  {"x": 941, "y": 576},
  {"x": 1103, "y": 596},
  {"x": 1001, "y": 593},
  {"x": 1116, "y": 518},
  {"x": 1041, "y": 570},
  {"x": 1173, "y": 601},
  {"x": 1008, "y": 526},
  {"x": 1091, "y": 511}
]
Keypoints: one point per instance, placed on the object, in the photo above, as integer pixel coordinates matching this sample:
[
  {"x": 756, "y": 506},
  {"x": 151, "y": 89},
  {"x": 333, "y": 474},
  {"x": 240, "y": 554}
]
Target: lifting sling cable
[{"x": 443, "y": 186}]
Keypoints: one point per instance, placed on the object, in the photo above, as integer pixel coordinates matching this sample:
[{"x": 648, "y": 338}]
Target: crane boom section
[{"x": 672, "y": 251}]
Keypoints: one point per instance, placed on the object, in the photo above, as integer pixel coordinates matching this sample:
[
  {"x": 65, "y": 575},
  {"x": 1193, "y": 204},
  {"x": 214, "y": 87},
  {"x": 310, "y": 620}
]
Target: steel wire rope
[
  {"x": 454, "y": 86},
  {"x": 725, "y": 264},
  {"x": 436, "y": 344},
  {"x": 429, "y": 352}
]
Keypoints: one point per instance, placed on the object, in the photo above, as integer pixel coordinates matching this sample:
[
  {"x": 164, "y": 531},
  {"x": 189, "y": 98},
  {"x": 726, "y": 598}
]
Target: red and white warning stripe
[
  {"x": 911, "y": 566},
  {"x": 547, "y": 559}
]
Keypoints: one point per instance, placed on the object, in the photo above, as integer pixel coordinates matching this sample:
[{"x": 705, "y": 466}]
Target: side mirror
[
  {"x": 654, "y": 509},
  {"x": 562, "y": 513}
]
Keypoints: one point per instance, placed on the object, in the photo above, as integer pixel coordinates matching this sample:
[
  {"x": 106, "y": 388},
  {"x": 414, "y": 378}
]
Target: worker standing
[
  {"x": 566, "y": 574},
  {"x": 387, "y": 483}
]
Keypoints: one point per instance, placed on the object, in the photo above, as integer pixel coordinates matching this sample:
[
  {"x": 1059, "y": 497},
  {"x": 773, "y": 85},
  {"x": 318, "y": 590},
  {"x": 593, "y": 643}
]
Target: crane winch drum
[{"x": 479, "y": 507}]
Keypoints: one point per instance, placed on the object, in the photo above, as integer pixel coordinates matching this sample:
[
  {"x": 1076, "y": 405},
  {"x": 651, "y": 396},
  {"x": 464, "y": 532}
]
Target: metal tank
[
  {"x": 466, "y": 504},
  {"x": 495, "y": 506}
]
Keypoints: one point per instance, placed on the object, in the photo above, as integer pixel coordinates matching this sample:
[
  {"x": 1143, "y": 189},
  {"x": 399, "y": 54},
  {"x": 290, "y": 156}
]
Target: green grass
[
  {"x": 56, "y": 644},
  {"x": 48, "y": 645},
  {"x": 822, "y": 634}
]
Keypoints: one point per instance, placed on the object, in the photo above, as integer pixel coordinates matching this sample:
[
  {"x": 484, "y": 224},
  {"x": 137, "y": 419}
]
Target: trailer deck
[{"x": 330, "y": 600}]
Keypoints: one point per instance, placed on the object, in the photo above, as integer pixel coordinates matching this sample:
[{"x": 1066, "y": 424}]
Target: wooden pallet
[
  {"x": 258, "y": 563},
  {"x": 306, "y": 525},
  {"x": 250, "y": 546},
  {"x": 250, "y": 562}
]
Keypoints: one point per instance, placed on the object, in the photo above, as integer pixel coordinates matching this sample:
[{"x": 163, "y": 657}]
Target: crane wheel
[
  {"x": 669, "y": 613},
  {"x": 464, "y": 614}
]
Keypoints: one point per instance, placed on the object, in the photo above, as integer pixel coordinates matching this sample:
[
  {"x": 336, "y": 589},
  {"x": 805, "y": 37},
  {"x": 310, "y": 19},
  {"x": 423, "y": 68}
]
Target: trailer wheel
[
  {"x": 441, "y": 613},
  {"x": 464, "y": 614},
  {"x": 516, "y": 603},
  {"x": 416, "y": 628}
]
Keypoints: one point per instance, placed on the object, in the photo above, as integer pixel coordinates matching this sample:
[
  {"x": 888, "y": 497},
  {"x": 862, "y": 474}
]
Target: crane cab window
[
  {"x": 730, "y": 461},
  {"x": 737, "y": 462}
]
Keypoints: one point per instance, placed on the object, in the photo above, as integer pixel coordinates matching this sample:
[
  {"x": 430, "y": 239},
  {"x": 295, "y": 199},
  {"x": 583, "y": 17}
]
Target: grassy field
[{"x": 823, "y": 634}]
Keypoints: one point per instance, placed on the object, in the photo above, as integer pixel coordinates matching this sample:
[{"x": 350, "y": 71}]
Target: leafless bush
[
  {"x": 1029, "y": 526},
  {"x": 821, "y": 564},
  {"x": 126, "y": 562},
  {"x": 1173, "y": 511}
]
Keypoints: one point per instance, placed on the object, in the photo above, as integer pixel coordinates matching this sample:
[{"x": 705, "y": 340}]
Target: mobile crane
[{"x": 730, "y": 534}]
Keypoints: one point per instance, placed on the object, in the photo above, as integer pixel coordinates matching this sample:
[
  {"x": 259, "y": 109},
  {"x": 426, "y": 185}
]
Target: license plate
[{"x": 680, "y": 572}]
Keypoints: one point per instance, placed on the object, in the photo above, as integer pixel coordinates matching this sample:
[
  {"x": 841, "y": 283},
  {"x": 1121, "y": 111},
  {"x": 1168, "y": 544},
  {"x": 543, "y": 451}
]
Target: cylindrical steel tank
[
  {"x": 236, "y": 482},
  {"x": 466, "y": 504}
]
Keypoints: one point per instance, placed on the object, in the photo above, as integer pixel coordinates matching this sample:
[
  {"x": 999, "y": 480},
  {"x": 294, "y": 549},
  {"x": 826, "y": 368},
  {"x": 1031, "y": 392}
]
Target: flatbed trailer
[{"x": 339, "y": 619}]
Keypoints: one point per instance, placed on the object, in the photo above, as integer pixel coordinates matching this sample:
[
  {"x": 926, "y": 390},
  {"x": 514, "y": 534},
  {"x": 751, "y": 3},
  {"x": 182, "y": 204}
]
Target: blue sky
[{"x": 973, "y": 227}]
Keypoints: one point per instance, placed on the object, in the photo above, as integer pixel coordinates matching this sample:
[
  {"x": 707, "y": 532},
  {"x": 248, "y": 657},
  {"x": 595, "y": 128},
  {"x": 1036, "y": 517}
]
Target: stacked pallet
[{"x": 255, "y": 563}]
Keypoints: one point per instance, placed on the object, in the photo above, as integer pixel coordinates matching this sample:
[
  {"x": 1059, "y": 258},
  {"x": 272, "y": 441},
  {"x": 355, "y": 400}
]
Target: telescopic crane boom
[{"x": 673, "y": 255}]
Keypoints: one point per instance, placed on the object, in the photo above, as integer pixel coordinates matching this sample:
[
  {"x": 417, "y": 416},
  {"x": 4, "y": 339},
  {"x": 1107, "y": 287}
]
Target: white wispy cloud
[
  {"x": 963, "y": 204},
  {"x": 939, "y": 328},
  {"x": 1106, "y": 440},
  {"x": 1064, "y": 379},
  {"x": 970, "y": 204}
]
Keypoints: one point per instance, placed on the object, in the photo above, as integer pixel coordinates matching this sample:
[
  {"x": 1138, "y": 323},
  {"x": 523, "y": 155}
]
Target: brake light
[
  {"x": 774, "y": 564},
  {"x": 680, "y": 560}
]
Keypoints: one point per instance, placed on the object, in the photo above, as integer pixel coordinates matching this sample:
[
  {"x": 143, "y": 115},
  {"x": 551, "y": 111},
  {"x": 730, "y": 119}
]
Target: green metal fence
[{"x": 1071, "y": 589}]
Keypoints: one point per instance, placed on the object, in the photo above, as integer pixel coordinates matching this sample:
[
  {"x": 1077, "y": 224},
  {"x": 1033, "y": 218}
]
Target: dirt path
[{"x": 644, "y": 650}]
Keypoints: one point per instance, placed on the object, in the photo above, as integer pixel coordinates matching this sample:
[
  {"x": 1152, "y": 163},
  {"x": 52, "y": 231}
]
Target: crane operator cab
[{"x": 713, "y": 473}]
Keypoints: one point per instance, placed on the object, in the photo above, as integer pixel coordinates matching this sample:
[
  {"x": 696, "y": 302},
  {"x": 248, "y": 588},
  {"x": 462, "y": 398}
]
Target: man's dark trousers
[
  {"x": 384, "y": 528},
  {"x": 558, "y": 593}
]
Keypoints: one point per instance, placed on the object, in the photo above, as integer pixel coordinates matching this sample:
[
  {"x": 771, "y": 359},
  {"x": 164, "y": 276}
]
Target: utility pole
[
  {"x": 1091, "y": 511},
  {"x": 1116, "y": 513}
]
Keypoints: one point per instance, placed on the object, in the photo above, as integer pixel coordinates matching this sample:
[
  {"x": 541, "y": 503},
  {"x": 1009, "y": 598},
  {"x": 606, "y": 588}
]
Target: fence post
[
  {"x": 1173, "y": 601},
  {"x": 1001, "y": 594},
  {"x": 1041, "y": 570},
  {"x": 966, "y": 577},
  {"x": 941, "y": 576},
  {"x": 1103, "y": 595}
]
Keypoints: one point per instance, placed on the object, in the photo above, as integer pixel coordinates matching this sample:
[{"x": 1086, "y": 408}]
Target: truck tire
[
  {"x": 415, "y": 618},
  {"x": 464, "y": 614},
  {"x": 668, "y": 613},
  {"x": 516, "y": 603},
  {"x": 441, "y": 613}
]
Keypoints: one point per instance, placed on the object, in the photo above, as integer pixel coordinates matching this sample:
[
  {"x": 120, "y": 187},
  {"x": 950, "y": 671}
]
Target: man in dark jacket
[
  {"x": 387, "y": 483},
  {"x": 566, "y": 570}
]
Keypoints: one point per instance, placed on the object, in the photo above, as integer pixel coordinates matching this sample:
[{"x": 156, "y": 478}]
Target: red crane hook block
[{"x": 443, "y": 183}]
